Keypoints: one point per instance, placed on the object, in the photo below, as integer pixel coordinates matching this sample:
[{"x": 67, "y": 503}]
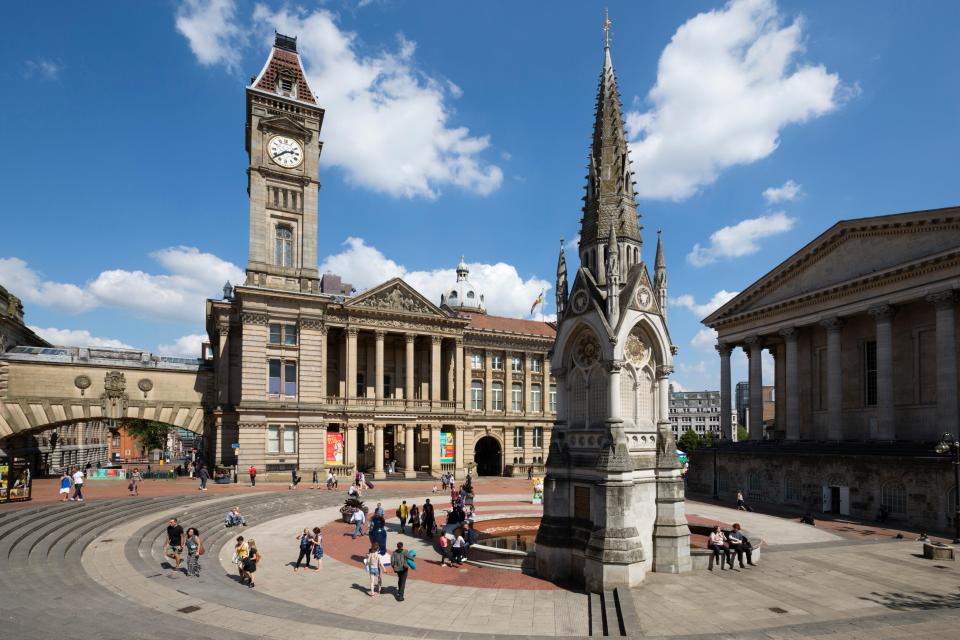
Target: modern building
[
  {"x": 743, "y": 402},
  {"x": 697, "y": 411},
  {"x": 862, "y": 326}
]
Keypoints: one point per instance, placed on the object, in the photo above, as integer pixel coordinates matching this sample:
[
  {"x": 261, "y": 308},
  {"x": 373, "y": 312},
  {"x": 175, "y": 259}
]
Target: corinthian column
[
  {"x": 755, "y": 345},
  {"x": 409, "y": 377},
  {"x": 834, "y": 328},
  {"x": 726, "y": 425},
  {"x": 945, "y": 302},
  {"x": 790, "y": 336},
  {"x": 883, "y": 315}
]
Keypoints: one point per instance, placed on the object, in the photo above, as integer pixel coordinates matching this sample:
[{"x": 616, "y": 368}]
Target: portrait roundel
[{"x": 579, "y": 302}]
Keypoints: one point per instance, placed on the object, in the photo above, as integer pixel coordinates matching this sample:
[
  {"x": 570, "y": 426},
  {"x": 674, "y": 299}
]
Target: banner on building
[
  {"x": 446, "y": 447},
  {"x": 106, "y": 474},
  {"x": 335, "y": 447}
]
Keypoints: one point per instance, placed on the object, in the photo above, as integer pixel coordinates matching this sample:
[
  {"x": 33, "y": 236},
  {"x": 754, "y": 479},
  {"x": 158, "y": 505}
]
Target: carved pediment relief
[
  {"x": 395, "y": 295},
  {"x": 639, "y": 293},
  {"x": 286, "y": 125}
]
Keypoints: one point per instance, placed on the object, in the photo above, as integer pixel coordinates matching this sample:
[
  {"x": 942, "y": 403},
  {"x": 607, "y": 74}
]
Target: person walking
[
  {"x": 253, "y": 475},
  {"x": 445, "y": 551},
  {"x": 741, "y": 545},
  {"x": 294, "y": 478},
  {"x": 402, "y": 512},
  {"x": 204, "y": 475},
  {"x": 458, "y": 547},
  {"x": 250, "y": 564},
  {"x": 240, "y": 551},
  {"x": 374, "y": 564},
  {"x": 357, "y": 519},
  {"x": 306, "y": 549},
  {"x": 194, "y": 551},
  {"x": 174, "y": 542},
  {"x": 378, "y": 532},
  {"x": 65, "y": 486},
  {"x": 316, "y": 478},
  {"x": 331, "y": 480},
  {"x": 398, "y": 562},
  {"x": 135, "y": 478},
  {"x": 428, "y": 518},
  {"x": 741, "y": 505},
  {"x": 414, "y": 521},
  {"x": 318, "y": 546},
  {"x": 78, "y": 477},
  {"x": 378, "y": 510}
]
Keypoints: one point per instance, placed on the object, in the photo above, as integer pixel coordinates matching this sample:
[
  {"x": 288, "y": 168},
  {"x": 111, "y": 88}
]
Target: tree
[
  {"x": 742, "y": 434},
  {"x": 151, "y": 434},
  {"x": 689, "y": 441}
]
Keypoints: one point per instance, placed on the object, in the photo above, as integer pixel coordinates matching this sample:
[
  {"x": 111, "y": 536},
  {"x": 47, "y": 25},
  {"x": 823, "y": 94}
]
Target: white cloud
[
  {"x": 76, "y": 338},
  {"x": 388, "y": 124},
  {"x": 211, "y": 29},
  {"x": 43, "y": 68},
  {"x": 697, "y": 369},
  {"x": 740, "y": 239},
  {"x": 719, "y": 299},
  {"x": 727, "y": 83},
  {"x": 176, "y": 296},
  {"x": 705, "y": 340},
  {"x": 188, "y": 346},
  {"x": 788, "y": 192},
  {"x": 506, "y": 292}
]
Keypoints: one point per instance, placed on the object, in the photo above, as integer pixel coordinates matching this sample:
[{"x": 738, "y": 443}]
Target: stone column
[
  {"x": 350, "y": 458},
  {"x": 883, "y": 314},
  {"x": 527, "y": 384},
  {"x": 726, "y": 426},
  {"x": 323, "y": 364},
  {"x": 378, "y": 367},
  {"x": 378, "y": 452},
  {"x": 435, "y": 342},
  {"x": 435, "y": 450},
  {"x": 547, "y": 381},
  {"x": 459, "y": 472},
  {"x": 409, "y": 433},
  {"x": 755, "y": 345},
  {"x": 507, "y": 382},
  {"x": 408, "y": 379},
  {"x": 834, "y": 328},
  {"x": 223, "y": 365},
  {"x": 663, "y": 388},
  {"x": 468, "y": 380},
  {"x": 613, "y": 391},
  {"x": 790, "y": 336},
  {"x": 459, "y": 394},
  {"x": 945, "y": 302},
  {"x": 488, "y": 380},
  {"x": 351, "y": 362}
]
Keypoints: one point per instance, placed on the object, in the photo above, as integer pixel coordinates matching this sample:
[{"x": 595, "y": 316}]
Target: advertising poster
[
  {"x": 446, "y": 447},
  {"x": 335, "y": 447},
  {"x": 16, "y": 480}
]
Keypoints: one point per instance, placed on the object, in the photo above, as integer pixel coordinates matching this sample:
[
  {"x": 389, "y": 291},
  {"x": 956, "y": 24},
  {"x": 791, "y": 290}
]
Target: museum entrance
[{"x": 487, "y": 456}]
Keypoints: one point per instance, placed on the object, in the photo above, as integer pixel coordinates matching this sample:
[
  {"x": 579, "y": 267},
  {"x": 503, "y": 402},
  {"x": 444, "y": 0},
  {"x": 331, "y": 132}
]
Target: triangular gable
[
  {"x": 583, "y": 294},
  {"x": 395, "y": 295},
  {"x": 285, "y": 123},
  {"x": 639, "y": 293},
  {"x": 849, "y": 251}
]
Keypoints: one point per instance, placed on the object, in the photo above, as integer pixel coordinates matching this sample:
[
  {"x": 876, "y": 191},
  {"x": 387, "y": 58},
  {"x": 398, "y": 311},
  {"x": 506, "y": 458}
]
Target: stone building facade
[
  {"x": 698, "y": 411},
  {"x": 862, "y": 326},
  {"x": 307, "y": 376}
]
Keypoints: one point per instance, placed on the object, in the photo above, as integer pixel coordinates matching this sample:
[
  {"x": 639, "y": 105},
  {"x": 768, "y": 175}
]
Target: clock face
[
  {"x": 643, "y": 297},
  {"x": 285, "y": 151}
]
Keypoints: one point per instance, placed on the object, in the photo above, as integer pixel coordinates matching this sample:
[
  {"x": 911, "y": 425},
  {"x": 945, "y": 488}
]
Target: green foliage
[
  {"x": 152, "y": 435},
  {"x": 689, "y": 441},
  {"x": 742, "y": 434}
]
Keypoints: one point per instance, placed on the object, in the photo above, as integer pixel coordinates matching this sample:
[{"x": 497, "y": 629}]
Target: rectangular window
[
  {"x": 536, "y": 365},
  {"x": 290, "y": 379},
  {"x": 516, "y": 397},
  {"x": 276, "y": 333},
  {"x": 516, "y": 364},
  {"x": 290, "y": 334},
  {"x": 870, "y": 373},
  {"x": 538, "y": 437},
  {"x": 518, "y": 437},
  {"x": 290, "y": 440},
  {"x": 476, "y": 361},
  {"x": 496, "y": 363},
  {"x": 497, "y": 396},
  {"x": 581, "y": 503},
  {"x": 361, "y": 385},
  {"x": 536, "y": 398},
  {"x": 273, "y": 439},
  {"x": 476, "y": 395},
  {"x": 273, "y": 384},
  {"x": 553, "y": 398}
]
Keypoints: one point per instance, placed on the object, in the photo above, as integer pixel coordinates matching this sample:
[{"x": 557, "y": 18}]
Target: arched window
[
  {"x": 893, "y": 496},
  {"x": 723, "y": 480},
  {"x": 283, "y": 247},
  {"x": 578, "y": 399},
  {"x": 476, "y": 395},
  {"x": 754, "y": 486},
  {"x": 469, "y": 295},
  {"x": 645, "y": 397},
  {"x": 628, "y": 395},
  {"x": 791, "y": 488},
  {"x": 599, "y": 397}
]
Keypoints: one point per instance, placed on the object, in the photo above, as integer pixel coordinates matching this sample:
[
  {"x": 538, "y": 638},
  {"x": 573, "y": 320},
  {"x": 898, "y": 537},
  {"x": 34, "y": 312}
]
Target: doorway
[
  {"x": 836, "y": 500},
  {"x": 487, "y": 456},
  {"x": 389, "y": 443}
]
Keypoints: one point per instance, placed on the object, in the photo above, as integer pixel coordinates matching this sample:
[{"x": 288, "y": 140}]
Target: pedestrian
[
  {"x": 445, "y": 551},
  {"x": 253, "y": 475},
  {"x": 192, "y": 467},
  {"x": 398, "y": 562},
  {"x": 316, "y": 478},
  {"x": 428, "y": 517},
  {"x": 65, "y": 486},
  {"x": 374, "y": 566},
  {"x": 194, "y": 551},
  {"x": 174, "y": 542},
  {"x": 378, "y": 532},
  {"x": 331, "y": 480},
  {"x": 78, "y": 485},
  {"x": 740, "y": 544},
  {"x": 318, "y": 546},
  {"x": 414, "y": 521},
  {"x": 306, "y": 549},
  {"x": 250, "y": 564},
  {"x": 135, "y": 478},
  {"x": 378, "y": 510},
  {"x": 240, "y": 551},
  {"x": 204, "y": 475},
  {"x": 470, "y": 537},
  {"x": 529, "y": 473},
  {"x": 718, "y": 544},
  {"x": 294, "y": 478},
  {"x": 458, "y": 544},
  {"x": 358, "y": 518},
  {"x": 402, "y": 512},
  {"x": 741, "y": 505}
]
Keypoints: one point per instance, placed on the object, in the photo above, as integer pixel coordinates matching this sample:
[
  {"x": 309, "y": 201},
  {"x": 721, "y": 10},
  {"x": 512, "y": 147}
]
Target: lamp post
[{"x": 949, "y": 444}]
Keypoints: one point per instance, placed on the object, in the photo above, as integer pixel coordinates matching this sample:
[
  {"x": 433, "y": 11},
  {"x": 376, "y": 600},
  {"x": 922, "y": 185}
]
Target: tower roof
[
  {"x": 463, "y": 296},
  {"x": 609, "y": 201},
  {"x": 283, "y": 73},
  {"x": 660, "y": 263}
]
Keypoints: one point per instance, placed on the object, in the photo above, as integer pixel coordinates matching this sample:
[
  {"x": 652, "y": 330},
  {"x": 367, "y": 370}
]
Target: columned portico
[
  {"x": 944, "y": 302},
  {"x": 378, "y": 367},
  {"x": 378, "y": 452},
  {"x": 755, "y": 422},
  {"x": 883, "y": 315},
  {"x": 410, "y": 443},
  {"x": 726, "y": 424},
  {"x": 792, "y": 375},
  {"x": 834, "y": 327}
]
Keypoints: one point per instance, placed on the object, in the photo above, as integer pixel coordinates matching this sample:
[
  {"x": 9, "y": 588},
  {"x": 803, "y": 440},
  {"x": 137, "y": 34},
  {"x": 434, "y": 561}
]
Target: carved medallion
[
  {"x": 145, "y": 385},
  {"x": 636, "y": 349},
  {"x": 579, "y": 302},
  {"x": 643, "y": 297},
  {"x": 587, "y": 351},
  {"x": 82, "y": 383}
]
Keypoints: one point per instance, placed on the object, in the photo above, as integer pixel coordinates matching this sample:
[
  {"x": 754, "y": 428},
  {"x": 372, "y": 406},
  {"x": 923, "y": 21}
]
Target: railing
[
  {"x": 521, "y": 470},
  {"x": 341, "y": 470},
  {"x": 393, "y": 403},
  {"x": 448, "y": 466}
]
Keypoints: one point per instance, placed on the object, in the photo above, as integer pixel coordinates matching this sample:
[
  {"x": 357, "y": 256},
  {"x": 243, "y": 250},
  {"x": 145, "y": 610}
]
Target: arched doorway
[{"x": 487, "y": 456}]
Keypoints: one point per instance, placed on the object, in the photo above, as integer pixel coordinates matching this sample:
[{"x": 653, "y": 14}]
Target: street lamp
[{"x": 949, "y": 444}]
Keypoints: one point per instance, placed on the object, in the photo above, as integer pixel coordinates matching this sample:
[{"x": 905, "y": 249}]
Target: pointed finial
[{"x": 606, "y": 27}]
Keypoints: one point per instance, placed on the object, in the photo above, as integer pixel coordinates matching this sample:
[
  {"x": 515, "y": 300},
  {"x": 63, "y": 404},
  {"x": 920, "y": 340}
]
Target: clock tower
[{"x": 283, "y": 144}]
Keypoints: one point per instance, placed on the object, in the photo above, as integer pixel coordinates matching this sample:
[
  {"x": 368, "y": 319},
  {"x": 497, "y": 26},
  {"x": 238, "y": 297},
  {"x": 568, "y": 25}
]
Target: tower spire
[
  {"x": 561, "y": 291},
  {"x": 660, "y": 276}
]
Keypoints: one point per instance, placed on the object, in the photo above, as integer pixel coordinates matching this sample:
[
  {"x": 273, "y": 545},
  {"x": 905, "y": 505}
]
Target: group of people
[
  {"x": 179, "y": 541},
  {"x": 725, "y": 544},
  {"x": 72, "y": 479},
  {"x": 311, "y": 546},
  {"x": 246, "y": 556}
]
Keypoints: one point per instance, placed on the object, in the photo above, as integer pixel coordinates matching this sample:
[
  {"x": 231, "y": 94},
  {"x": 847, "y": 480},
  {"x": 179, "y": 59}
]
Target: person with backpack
[
  {"x": 402, "y": 512},
  {"x": 398, "y": 562},
  {"x": 306, "y": 549}
]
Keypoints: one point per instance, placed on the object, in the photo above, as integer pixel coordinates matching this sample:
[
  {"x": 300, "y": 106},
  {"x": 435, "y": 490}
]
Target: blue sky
[{"x": 451, "y": 129}]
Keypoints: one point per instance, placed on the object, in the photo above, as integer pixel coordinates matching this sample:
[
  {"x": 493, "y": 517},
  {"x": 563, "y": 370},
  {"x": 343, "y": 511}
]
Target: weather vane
[{"x": 606, "y": 27}]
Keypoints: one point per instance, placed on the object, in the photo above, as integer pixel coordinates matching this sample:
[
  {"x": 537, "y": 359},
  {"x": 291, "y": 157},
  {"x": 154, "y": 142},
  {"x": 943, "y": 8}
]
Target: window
[
  {"x": 387, "y": 385},
  {"x": 518, "y": 437},
  {"x": 496, "y": 362},
  {"x": 361, "y": 385},
  {"x": 516, "y": 364},
  {"x": 754, "y": 486},
  {"x": 894, "y": 497},
  {"x": 273, "y": 439},
  {"x": 497, "y": 396},
  {"x": 476, "y": 361},
  {"x": 516, "y": 396},
  {"x": 290, "y": 379},
  {"x": 283, "y": 334},
  {"x": 288, "y": 370},
  {"x": 870, "y": 374},
  {"x": 538, "y": 437},
  {"x": 283, "y": 247},
  {"x": 476, "y": 395},
  {"x": 536, "y": 398},
  {"x": 273, "y": 385},
  {"x": 553, "y": 398},
  {"x": 289, "y": 440},
  {"x": 116, "y": 440},
  {"x": 276, "y": 333},
  {"x": 791, "y": 488},
  {"x": 536, "y": 365},
  {"x": 281, "y": 438}
]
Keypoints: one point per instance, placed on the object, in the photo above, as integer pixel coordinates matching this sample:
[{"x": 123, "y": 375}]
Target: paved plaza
[{"x": 73, "y": 563}]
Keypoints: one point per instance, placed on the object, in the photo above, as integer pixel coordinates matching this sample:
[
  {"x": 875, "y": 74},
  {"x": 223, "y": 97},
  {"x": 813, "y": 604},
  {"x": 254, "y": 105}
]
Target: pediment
[
  {"x": 639, "y": 293},
  {"x": 850, "y": 251},
  {"x": 395, "y": 295},
  {"x": 585, "y": 295},
  {"x": 286, "y": 125}
]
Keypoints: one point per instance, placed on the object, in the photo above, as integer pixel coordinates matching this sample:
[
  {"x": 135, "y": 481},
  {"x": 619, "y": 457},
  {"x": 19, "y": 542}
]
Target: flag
[{"x": 537, "y": 302}]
